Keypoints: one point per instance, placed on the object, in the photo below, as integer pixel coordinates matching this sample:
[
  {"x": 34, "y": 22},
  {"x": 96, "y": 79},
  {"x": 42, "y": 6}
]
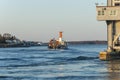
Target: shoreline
[
  {"x": 81, "y": 42},
  {"x": 87, "y": 42}
]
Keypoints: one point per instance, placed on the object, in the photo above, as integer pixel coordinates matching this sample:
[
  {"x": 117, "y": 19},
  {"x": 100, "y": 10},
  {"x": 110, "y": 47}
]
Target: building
[{"x": 111, "y": 14}]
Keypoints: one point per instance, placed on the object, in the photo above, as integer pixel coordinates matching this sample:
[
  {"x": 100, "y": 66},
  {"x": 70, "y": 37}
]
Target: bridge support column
[
  {"x": 110, "y": 14},
  {"x": 113, "y": 34}
]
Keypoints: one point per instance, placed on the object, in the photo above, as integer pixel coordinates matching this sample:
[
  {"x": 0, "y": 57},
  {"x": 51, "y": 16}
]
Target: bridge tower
[{"x": 110, "y": 14}]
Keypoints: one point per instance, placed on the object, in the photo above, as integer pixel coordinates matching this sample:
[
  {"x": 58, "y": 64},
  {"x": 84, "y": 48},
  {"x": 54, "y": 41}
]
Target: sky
[{"x": 41, "y": 20}]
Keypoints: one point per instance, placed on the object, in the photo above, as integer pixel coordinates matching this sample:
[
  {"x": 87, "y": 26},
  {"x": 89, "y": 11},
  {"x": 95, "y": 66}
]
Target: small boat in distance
[{"x": 57, "y": 44}]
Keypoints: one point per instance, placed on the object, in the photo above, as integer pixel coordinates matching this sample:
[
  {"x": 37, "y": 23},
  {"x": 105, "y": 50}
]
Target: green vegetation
[{"x": 7, "y": 38}]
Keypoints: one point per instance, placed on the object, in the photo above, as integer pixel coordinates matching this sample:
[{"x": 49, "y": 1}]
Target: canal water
[{"x": 78, "y": 62}]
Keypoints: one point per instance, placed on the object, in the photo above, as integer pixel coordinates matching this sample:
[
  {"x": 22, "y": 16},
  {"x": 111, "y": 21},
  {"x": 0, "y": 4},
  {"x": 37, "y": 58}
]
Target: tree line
[{"x": 6, "y": 36}]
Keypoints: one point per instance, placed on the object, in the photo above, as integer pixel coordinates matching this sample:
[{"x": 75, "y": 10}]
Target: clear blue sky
[{"x": 41, "y": 20}]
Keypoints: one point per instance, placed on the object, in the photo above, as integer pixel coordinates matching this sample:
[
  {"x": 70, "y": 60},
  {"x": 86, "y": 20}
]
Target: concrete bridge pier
[{"x": 111, "y": 14}]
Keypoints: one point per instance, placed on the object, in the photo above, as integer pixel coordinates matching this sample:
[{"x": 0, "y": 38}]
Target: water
[{"x": 79, "y": 62}]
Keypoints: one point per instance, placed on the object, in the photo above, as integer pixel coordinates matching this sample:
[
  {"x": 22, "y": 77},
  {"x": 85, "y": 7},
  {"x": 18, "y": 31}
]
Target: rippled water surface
[{"x": 79, "y": 62}]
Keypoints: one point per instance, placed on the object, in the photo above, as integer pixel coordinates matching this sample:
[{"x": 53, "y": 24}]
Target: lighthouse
[
  {"x": 60, "y": 36},
  {"x": 58, "y": 44}
]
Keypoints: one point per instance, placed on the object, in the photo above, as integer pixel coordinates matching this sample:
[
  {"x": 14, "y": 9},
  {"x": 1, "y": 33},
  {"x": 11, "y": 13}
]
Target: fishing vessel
[{"x": 57, "y": 44}]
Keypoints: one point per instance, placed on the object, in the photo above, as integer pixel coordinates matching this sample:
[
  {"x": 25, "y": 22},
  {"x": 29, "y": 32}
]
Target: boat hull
[{"x": 58, "y": 47}]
